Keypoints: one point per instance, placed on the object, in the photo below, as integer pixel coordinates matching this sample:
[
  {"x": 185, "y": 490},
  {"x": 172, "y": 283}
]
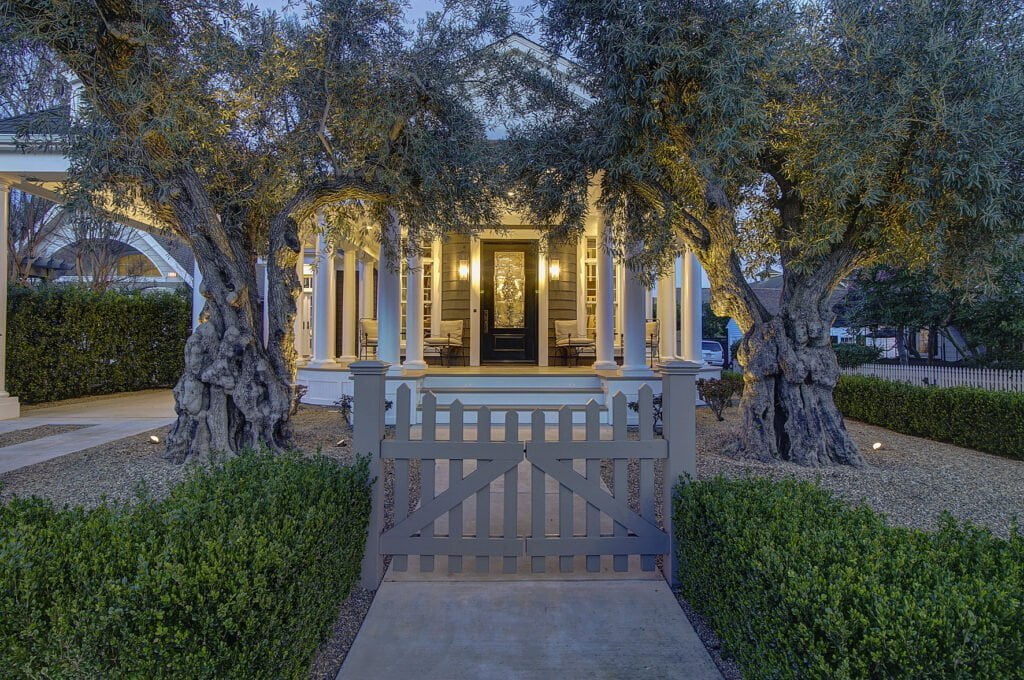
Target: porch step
[
  {"x": 514, "y": 390},
  {"x": 518, "y": 407},
  {"x": 507, "y": 381}
]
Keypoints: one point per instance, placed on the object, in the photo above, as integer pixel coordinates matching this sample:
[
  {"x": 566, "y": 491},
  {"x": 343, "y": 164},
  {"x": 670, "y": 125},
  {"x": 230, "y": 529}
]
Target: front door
[{"x": 508, "y": 301}]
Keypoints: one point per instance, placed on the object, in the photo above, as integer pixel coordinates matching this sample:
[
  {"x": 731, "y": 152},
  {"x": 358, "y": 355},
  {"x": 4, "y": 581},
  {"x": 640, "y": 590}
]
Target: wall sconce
[
  {"x": 463, "y": 270},
  {"x": 555, "y": 270},
  {"x": 307, "y": 270}
]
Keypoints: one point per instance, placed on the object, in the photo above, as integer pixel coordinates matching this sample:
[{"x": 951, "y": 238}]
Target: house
[{"x": 494, "y": 318}]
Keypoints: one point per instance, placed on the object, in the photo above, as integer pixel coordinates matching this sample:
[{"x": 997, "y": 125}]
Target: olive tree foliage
[
  {"x": 235, "y": 129},
  {"x": 821, "y": 134}
]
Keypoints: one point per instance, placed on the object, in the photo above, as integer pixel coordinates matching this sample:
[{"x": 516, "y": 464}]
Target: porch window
[
  {"x": 590, "y": 272},
  {"x": 428, "y": 294}
]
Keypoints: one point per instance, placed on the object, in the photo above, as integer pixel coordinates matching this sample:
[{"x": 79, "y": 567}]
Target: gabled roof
[{"x": 55, "y": 121}]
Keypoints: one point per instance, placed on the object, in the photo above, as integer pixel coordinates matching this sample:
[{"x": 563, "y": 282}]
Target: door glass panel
[{"x": 509, "y": 289}]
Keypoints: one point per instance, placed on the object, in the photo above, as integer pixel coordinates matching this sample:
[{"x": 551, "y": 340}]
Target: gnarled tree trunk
[
  {"x": 236, "y": 393},
  {"x": 788, "y": 410}
]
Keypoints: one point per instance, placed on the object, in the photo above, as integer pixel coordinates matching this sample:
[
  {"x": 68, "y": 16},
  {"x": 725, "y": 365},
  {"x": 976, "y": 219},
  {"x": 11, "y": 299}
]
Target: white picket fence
[{"x": 944, "y": 376}]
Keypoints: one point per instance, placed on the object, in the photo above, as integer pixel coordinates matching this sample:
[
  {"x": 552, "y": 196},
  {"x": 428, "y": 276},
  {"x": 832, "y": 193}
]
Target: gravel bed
[
  {"x": 333, "y": 651},
  {"x": 115, "y": 471},
  {"x": 911, "y": 480},
  {"x": 30, "y": 433}
]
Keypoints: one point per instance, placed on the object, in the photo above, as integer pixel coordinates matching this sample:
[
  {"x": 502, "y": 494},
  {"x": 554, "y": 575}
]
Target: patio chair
[
  {"x": 653, "y": 333},
  {"x": 569, "y": 340},
  {"x": 368, "y": 330},
  {"x": 449, "y": 342}
]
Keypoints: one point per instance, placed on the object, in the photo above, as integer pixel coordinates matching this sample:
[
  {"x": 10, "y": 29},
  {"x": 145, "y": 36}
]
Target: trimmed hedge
[
  {"x": 68, "y": 341},
  {"x": 798, "y": 584},
  {"x": 239, "y": 572},
  {"x": 977, "y": 419}
]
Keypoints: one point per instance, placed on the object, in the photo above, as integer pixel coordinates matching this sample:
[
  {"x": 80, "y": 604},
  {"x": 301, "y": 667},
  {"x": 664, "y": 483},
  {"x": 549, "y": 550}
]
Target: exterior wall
[
  {"x": 455, "y": 293},
  {"x": 562, "y": 301}
]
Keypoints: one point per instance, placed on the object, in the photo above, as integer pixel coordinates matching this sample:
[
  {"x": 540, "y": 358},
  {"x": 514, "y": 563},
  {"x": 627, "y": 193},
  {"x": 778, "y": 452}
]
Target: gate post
[
  {"x": 679, "y": 428},
  {"x": 367, "y": 432}
]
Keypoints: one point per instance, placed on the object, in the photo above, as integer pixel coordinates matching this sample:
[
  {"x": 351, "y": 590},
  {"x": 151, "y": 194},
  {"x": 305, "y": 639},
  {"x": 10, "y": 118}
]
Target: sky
[{"x": 417, "y": 8}]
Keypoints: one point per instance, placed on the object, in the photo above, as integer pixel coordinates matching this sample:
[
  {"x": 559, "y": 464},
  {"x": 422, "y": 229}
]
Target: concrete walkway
[
  {"x": 106, "y": 418},
  {"x": 487, "y": 624},
  {"x": 459, "y": 630}
]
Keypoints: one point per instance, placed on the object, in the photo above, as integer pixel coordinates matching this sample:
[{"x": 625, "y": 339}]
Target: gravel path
[{"x": 31, "y": 433}]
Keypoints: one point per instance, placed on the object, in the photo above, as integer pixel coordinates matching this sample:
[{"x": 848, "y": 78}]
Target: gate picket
[
  {"x": 428, "y": 470},
  {"x": 483, "y": 496},
  {"x": 620, "y": 562},
  {"x": 565, "y": 500},
  {"x": 537, "y": 493},
  {"x": 511, "y": 519},
  {"x": 593, "y": 432},
  {"x": 455, "y": 434}
]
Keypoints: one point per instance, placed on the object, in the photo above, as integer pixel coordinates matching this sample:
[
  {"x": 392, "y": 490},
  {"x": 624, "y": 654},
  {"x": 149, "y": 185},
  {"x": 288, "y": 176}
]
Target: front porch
[
  {"x": 501, "y": 388},
  {"x": 504, "y": 305}
]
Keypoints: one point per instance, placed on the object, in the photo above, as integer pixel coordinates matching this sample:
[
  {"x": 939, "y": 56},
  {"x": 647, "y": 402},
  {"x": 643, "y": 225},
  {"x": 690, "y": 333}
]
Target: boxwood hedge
[
  {"x": 238, "y": 573},
  {"x": 978, "y": 419},
  {"x": 68, "y": 341},
  {"x": 799, "y": 584}
]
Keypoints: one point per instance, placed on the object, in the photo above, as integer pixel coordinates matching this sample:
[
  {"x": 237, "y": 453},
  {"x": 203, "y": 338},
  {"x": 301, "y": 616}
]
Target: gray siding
[
  {"x": 454, "y": 293},
  {"x": 561, "y": 293}
]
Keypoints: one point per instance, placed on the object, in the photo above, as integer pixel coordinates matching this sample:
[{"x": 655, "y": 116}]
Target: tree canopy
[
  {"x": 823, "y": 135},
  {"x": 236, "y": 128}
]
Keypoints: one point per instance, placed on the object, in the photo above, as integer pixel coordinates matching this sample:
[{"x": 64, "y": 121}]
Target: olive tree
[
  {"x": 235, "y": 129},
  {"x": 822, "y": 135}
]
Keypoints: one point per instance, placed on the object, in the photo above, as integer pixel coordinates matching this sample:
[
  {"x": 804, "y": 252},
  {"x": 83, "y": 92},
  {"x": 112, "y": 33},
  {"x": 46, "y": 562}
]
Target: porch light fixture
[
  {"x": 555, "y": 270},
  {"x": 172, "y": 275},
  {"x": 307, "y": 270},
  {"x": 463, "y": 270}
]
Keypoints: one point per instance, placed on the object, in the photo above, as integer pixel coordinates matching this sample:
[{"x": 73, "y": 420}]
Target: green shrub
[
  {"x": 851, "y": 355},
  {"x": 237, "y": 574},
  {"x": 717, "y": 394},
  {"x": 978, "y": 419},
  {"x": 798, "y": 584},
  {"x": 67, "y": 341}
]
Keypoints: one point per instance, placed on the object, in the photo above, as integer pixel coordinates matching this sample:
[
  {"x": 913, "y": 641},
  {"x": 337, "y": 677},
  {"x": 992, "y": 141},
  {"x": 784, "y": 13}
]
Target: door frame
[
  {"x": 531, "y": 253},
  {"x": 509, "y": 234}
]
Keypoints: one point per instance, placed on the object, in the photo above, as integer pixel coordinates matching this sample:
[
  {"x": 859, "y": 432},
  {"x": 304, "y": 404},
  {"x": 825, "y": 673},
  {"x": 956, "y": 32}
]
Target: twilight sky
[{"x": 417, "y": 8}]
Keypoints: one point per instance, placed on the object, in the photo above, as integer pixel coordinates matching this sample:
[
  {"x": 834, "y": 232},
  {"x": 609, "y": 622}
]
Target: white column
[
  {"x": 348, "y": 307},
  {"x": 414, "y": 313},
  {"x": 691, "y": 309},
  {"x": 634, "y": 359},
  {"x": 300, "y": 301},
  {"x": 605, "y": 321},
  {"x": 388, "y": 293},
  {"x": 323, "y": 305},
  {"x": 367, "y": 292},
  {"x": 9, "y": 406},
  {"x": 197, "y": 297},
  {"x": 667, "y": 313}
]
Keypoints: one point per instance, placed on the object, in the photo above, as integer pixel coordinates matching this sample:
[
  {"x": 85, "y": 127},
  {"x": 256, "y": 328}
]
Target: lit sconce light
[
  {"x": 307, "y": 270},
  {"x": 555, "y": 270},
  {"x": 172, "y": 275},
  {"x": 463, "y": 270}
]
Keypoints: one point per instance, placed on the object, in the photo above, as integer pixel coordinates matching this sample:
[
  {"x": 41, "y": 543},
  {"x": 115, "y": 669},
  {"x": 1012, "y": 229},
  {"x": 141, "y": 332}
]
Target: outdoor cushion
[
  {"x": 450, "y": 334},
  {"x": 652, "y": 330},
  {"x": 368, "y": 329}
]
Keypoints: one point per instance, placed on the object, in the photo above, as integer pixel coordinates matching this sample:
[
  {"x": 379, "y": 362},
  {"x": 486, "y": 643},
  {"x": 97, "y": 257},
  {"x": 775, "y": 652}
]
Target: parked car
[{"x": 712, "y": 352}]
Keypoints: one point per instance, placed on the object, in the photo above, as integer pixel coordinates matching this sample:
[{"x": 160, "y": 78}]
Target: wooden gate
[{"x": 518, "y": 496}]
